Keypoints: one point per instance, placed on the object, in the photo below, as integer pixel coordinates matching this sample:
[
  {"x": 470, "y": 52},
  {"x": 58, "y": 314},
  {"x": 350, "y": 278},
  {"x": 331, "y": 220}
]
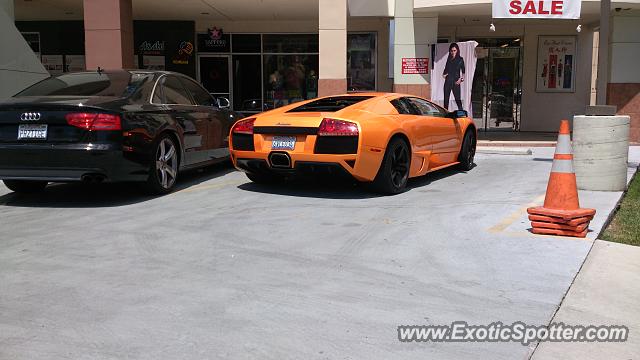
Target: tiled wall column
[
  {"x": 333, "y": 47},
  {"x": 414, "y": 34},
  {"x": 623, "y": 89},
  {"x": 108, "y": 33}
]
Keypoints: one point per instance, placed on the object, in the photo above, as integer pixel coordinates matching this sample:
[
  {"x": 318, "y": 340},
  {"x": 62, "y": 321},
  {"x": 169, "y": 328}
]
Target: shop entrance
[
  {"x": 497, "y": 85},
  {"x": 214, "y": 73}
]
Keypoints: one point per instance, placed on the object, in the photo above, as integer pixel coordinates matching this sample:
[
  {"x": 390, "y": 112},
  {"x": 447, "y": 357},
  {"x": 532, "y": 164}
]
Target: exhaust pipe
[
  {"x": 93, "y": 178},
  {"x": 280, "y": 160}
]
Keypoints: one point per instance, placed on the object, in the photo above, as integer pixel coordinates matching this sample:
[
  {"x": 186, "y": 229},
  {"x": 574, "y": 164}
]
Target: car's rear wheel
[
  {"x": 264, "y": 178},
  {"x": 25, "y": 186},
  {"x": 468, "y": 151},
  {"x": 164, "y": 166},
  {"x": 394, "y": 171}
]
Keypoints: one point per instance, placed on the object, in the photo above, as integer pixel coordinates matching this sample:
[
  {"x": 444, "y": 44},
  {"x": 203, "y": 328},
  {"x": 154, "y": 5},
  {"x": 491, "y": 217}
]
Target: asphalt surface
[{"x": 224, "y": 268}]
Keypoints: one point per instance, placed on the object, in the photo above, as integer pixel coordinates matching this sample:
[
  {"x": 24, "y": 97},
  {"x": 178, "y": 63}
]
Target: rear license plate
[
  {"x": 283, "y": 143},
  {"x": 32, "y": 131}
]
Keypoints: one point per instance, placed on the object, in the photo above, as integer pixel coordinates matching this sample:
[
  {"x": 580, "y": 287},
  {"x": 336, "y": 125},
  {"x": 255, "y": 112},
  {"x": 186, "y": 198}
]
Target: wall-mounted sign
[
  {"x": 184, "y": 53},
  {"x": 556, "y": 64},
  {"x": 53, "y": 64},
  {"x": 73, "y": 63},
  {"x": 215, "y": 40},
  {"x": 152, "y": 62},
  {"x": 151, "y": 48},
  {"x": 415, "y": 65},
  {"x": 536, "y": 9}
]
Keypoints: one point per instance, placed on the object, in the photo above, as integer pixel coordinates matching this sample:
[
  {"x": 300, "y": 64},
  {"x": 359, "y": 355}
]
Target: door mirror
[
  {"x": 458, "y": 114},
  {"x": 223, "y": 103}
]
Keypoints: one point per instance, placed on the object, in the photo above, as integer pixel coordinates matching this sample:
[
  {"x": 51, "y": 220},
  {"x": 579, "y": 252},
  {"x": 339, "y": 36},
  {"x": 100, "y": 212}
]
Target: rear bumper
[
  {"x": 68, "y": 162},
  {"x": 361, "y": 167},
  {"x": 300, "y": 169}
]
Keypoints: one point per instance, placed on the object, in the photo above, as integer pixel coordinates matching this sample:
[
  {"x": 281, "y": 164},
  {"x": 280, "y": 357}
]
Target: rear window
[
  {"x": 330, "y": 104},
  {"x": 120, "y": 84}
]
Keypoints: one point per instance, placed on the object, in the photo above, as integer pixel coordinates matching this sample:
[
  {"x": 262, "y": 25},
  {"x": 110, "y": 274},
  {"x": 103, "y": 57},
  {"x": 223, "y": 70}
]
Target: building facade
[{"x": 268, "y": 54}]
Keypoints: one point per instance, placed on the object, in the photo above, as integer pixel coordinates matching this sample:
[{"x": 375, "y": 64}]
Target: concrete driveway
[{"x": 224, "y": 268}]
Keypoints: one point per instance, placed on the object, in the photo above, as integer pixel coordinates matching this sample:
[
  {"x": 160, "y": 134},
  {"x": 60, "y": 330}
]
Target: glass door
[
  {"x": 214, "y": 73},
  {"x": 497, "y": 88},
  {"x": 504, "y": 89}
]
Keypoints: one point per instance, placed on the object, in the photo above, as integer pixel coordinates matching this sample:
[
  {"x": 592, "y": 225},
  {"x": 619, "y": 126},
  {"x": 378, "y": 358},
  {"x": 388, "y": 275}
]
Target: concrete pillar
[
  {"x": 19, "y": 65},
  {"x": 332, "y": 28},
  {"x": 603, "y": 54},
  {"x": 623, "y": 89},
  {"x": 108, "y": 34},
  {"x": 413, "y": 36},
  {"x": 7, "y": 6}
]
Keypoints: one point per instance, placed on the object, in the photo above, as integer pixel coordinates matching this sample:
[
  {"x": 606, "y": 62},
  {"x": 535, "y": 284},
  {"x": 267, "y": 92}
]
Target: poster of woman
[
  {"x": 452, "y": 76},
  {"x": 556, "y": 60}
]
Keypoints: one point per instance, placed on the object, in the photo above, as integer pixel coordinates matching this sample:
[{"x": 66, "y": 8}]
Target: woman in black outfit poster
[{"x": 453, "y": 76}]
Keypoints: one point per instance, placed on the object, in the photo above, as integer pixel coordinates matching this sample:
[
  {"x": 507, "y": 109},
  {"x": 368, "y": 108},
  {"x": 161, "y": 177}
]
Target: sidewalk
[{"x": 605, "y": 292}]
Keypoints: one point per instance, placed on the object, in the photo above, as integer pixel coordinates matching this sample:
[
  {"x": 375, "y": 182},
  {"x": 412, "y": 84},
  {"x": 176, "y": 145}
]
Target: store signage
[
  {"x": 415, "y": 65},
  {"x": 536, "y": 9},
  {"x": 215, "y": 40},
  {"x": 184, "y": 53},
  {"x": 151, "y": 48}
]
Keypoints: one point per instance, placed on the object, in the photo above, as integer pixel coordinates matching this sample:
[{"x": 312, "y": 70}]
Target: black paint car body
[{"x": 149, "y": 105}]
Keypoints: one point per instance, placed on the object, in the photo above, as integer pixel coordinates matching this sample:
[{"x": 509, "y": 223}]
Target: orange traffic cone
[{"x": 561, "y": 205}]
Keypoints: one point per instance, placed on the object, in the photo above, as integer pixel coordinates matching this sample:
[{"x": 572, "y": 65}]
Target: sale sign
[
  {"x": 415, "y": 65},
  {"x": 536, "y": 9}
]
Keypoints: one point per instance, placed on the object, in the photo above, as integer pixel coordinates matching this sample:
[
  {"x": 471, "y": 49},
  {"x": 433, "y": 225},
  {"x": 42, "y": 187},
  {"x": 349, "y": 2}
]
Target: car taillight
[
  {"x": 94, "y": 121},
  {"x": 333, "y": 127},
  {"x": 244, "y": 126}
]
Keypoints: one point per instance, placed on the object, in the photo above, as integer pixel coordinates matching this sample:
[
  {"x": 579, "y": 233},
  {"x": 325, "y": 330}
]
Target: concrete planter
[{"x": 600, "y": 151}]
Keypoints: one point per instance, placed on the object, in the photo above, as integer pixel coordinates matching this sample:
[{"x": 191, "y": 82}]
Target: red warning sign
[{"x": 415, "y": 65}]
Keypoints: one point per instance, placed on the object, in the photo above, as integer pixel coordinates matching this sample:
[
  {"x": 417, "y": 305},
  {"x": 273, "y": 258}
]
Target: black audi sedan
[{"x": 123, "y": 125}]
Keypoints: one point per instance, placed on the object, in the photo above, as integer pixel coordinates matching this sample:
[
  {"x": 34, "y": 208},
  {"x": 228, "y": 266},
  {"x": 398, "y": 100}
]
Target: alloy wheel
[
  {"x": 166, "y": 163},
  {"x": 399, "y": 165}
]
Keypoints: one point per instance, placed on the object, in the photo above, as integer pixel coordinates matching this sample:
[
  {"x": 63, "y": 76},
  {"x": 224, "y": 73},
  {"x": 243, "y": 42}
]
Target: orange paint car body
[{"x": 435, "y": 142}]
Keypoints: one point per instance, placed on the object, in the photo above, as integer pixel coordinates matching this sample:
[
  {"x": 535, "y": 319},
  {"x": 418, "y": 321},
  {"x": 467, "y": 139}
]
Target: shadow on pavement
[
  {"x": 79, "y": 195},
  {"x": 332, "y": 188}
]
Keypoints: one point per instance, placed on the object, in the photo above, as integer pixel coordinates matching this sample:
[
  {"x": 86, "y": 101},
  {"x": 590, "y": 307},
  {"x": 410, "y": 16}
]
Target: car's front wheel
[
  {"x": 164, "y": 166},
  {"x": 394, "y": 171},
  {"x": 467, "y": 151},
  {"x": 25, "y": 186}
]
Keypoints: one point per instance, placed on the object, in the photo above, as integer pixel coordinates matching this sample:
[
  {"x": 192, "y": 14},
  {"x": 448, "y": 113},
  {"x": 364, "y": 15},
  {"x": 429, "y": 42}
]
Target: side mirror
[
  {"x": 458, "y": 114},
  {"x": 223, "y": 103}
]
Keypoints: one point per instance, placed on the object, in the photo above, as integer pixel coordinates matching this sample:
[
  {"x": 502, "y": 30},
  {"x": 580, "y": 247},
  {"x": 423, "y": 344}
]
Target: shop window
[
  {"x": 289, "y": 79},
  {"x": 247, "y": 88},
  {"x": 290, "y": 43},
  {"x": 361, "y": 62},
  {"x": 245, "y": 43}
]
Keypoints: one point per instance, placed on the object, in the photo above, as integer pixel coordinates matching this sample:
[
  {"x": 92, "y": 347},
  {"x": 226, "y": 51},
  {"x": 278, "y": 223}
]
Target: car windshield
[
  {"x": 118, "y": 84},
  {"x": 334, "y": 103}
]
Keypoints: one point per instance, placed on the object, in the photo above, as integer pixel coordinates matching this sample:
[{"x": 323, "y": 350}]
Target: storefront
[
  {"x": 529, "y": 73},
  {"x": 263, "y": 71}
]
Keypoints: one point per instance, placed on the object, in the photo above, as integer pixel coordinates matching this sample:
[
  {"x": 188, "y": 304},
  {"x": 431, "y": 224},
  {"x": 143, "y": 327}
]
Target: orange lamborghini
[{"x": 377, "y": 138}]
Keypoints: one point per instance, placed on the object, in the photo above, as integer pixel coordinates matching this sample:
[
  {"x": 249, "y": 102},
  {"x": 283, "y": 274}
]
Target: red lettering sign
[
  {"x": 516, "y": 8},
  {"x": 415, "y": 65}
]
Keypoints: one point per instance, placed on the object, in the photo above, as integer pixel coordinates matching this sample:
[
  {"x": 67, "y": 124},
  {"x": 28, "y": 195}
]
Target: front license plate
[
  {"x": 32, "y": 131},
  {"x": 283, "y": 143}
]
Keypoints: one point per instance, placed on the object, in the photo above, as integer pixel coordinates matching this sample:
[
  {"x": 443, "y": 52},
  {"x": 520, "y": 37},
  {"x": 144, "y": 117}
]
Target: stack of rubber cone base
[
  {"x": 553, "y": 225},
  {"x": 561, "y": 213}
]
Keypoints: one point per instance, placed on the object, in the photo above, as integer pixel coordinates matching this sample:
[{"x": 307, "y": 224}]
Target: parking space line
[{"x": 507, "y": 221}]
